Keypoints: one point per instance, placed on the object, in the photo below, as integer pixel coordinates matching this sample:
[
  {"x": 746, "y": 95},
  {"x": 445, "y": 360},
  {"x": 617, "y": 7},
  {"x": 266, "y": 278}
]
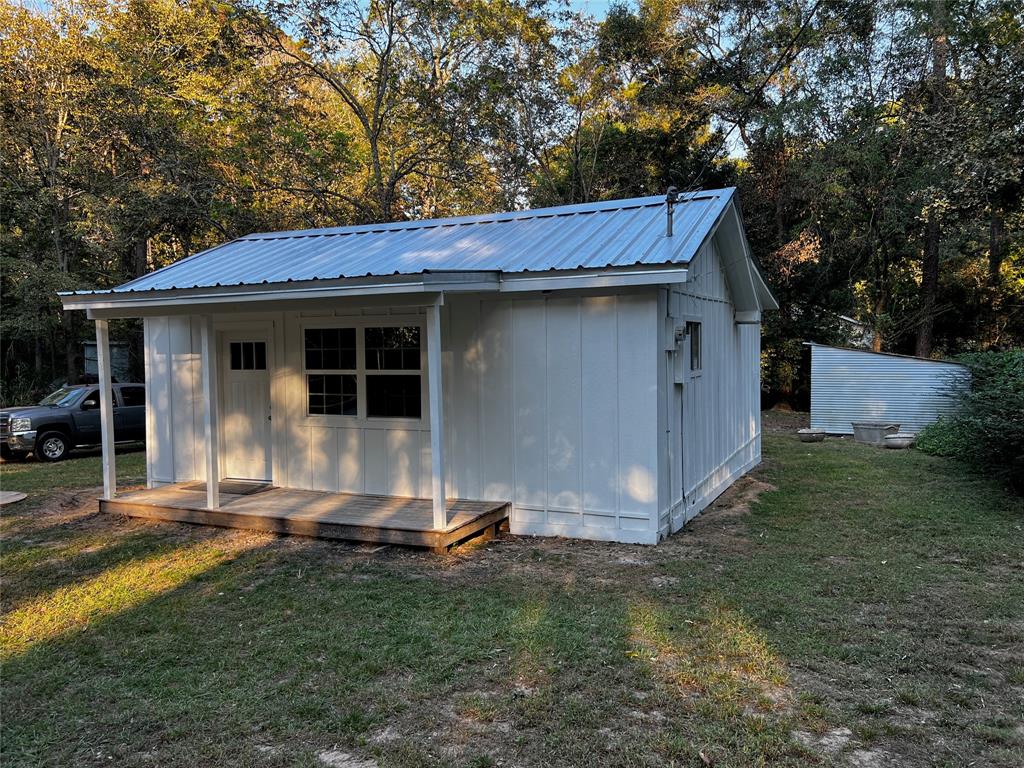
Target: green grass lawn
[
  {"x": 85, "y": 470},
  {"x": 867, "y": 610}
]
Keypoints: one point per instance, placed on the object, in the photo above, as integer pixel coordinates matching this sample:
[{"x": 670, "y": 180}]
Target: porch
[
  {"x": 257, "y": 397},
  {"x": 344, "y": 516}
]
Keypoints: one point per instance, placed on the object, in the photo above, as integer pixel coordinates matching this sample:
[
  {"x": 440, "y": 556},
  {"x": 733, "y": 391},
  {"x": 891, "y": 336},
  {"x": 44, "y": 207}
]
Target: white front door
[{"x": 245, "y": 432}]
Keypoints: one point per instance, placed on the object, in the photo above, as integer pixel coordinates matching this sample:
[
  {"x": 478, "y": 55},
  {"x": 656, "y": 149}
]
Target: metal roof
[{"x": 615, "y": 233}]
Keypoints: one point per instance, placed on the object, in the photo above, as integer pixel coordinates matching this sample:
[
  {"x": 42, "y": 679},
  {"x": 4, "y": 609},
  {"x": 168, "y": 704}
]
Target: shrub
[
  {"x": 943, "y": 438},
  {"x": 987, "y": 429}
]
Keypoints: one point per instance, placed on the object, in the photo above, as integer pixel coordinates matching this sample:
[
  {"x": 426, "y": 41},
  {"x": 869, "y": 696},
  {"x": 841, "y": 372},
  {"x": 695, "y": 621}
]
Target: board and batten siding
[
  {"x": 551, "y": 403},
  {"x": 711, "y": 423},
  {"x": 849, "y": 385},
  {"x": 174, "y": 400},
  {"x": 389, "y": 457}
]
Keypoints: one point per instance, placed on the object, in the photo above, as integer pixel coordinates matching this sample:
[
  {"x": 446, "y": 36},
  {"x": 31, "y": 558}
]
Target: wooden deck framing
[{"x": 345, "y": 516}]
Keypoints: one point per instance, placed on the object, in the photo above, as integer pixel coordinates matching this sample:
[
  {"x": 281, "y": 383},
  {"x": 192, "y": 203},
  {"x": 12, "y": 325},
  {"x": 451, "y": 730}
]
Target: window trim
[
  {"x": 307, "y": 372},
  {"x": 361, "y": 419},
  {"x": 695, "y": 372}
]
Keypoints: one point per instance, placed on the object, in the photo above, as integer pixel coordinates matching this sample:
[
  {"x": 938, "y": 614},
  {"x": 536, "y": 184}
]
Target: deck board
[{"x": 356, "y": 517}]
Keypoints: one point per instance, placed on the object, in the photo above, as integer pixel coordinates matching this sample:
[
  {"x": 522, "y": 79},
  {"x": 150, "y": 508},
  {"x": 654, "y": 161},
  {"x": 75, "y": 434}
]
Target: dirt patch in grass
[
  {"x": 779, "y": 421},
  {"x": 721, "y": 530},
  {"x": 723, "y": 525}
]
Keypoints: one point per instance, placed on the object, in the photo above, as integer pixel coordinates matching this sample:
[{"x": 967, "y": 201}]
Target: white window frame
[
  {"x": 360, "y": 324},
  {"x": 307, "y": 372}
]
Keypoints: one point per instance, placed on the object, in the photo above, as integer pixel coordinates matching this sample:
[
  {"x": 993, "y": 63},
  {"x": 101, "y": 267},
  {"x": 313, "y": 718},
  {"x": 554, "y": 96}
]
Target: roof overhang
[
  {"x": 750, "y": 292},
  {"x": 417, "y": 289}
]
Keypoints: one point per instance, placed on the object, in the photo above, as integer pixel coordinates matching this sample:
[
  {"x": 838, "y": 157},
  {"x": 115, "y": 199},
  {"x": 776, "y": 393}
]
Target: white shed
[
  {"x": 849, "y": 385},
  {"x": 580, "y": 367}
]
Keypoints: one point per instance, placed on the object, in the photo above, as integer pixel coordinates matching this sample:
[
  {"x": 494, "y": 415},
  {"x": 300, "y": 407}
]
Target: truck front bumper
[{"x": 22, "y": 441}]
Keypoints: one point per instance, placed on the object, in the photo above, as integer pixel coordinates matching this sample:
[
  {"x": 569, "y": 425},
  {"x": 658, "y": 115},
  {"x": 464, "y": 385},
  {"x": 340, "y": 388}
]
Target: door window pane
[
  {"x": 393, "y": 396},
  {"x": 248, "y": 355},
  {"x": 94, "y": 395},
  {"x": 393, "y": 349}
]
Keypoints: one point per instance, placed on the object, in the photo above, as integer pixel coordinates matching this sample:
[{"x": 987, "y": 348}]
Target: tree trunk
[
  {"x": 136, "y": 260},
  {"x": 933, "y": 232},
  {"x": 38, "y": 353},
  {"x": 996, "y": 246},
  {"x": 880, "y": 306},
  {"x": 929, "y": 286},
  {"x": 72, "y": 348},
  {"x": 877, "y": 337},
  {"x": 140, "y": 262}
]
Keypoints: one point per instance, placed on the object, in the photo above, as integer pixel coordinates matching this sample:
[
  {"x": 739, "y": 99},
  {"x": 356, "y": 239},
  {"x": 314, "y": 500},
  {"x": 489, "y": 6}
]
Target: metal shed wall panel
[
  {"x": 850, "y": 385},
  {"x": 616, "y": 233}
]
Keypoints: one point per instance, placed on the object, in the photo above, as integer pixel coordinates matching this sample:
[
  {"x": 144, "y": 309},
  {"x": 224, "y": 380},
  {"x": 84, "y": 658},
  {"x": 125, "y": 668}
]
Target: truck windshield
[{"x": 63, "y": 396}]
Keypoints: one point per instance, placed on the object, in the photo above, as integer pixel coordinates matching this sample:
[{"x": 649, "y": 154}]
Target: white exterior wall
[
  {"x": 578, "y": 409},
  {"x": 711, "y": 419},
  {"x": 174, "y": 400},
  {"x": 850, "y": 385},
  {"x": 342, "y": 453},
  {"x": 551, "y": 403}
]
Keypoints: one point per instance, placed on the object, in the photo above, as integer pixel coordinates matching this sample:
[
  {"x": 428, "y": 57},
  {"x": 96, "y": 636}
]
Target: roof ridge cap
[{"x": 572, "y": 209}]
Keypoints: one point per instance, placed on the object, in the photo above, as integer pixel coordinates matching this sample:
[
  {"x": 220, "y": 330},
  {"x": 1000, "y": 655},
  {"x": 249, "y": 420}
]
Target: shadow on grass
[
  {"x": 209, "y": 651},
  {"x": 31, "y": 571}
]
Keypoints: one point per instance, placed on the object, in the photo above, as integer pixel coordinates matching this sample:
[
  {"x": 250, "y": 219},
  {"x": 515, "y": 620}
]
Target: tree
[
  {"x": 407, "y": 75},
  {"x": 878, "y": 145}
]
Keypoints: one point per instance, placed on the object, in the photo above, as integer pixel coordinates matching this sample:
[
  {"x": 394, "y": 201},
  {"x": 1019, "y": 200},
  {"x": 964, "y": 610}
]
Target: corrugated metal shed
[
  {"x": 615, "y": 233},
  {"x": 850, "y": 385}
]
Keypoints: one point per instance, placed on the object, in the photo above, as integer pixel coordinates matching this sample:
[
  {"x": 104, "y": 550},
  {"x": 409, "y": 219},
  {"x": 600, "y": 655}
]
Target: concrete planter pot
[
  {"x": 873, "y": 432},
  {"x": 811, "y": 435},
  {"x": 899, "y": 440}
]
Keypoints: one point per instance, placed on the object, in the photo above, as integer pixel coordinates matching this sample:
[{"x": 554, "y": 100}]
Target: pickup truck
[{"x": 70, "y": 418}]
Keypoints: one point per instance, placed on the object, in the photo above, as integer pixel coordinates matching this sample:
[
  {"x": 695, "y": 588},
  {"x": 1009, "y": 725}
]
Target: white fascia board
[
  {"x": 113, "y": 304},
  {"x": 765, "y": 296},
  {"x": 429, "y": 283},
  {"x": 576, "y": 280}
]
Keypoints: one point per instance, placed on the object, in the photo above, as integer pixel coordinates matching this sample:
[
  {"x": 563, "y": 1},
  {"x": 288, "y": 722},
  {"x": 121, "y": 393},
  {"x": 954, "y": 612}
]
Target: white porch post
[
  {"x": 106, "y": 409},
  {"x": 208, "y": 363},
  {"x": 436, "y": 414}
]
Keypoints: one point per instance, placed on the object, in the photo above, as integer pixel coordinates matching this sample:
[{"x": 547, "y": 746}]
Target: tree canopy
[{"x": 878, "y": 145}]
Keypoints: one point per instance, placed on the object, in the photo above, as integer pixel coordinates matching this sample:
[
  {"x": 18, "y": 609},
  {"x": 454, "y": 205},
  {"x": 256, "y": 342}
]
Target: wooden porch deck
[{"x": 345, "y": 516}]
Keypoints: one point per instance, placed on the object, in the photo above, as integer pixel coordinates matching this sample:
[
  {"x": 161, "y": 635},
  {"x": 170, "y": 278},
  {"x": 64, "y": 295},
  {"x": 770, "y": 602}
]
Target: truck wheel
[
  {"x": 52, "y": 446},
  {"x": 9, "y": 454}
]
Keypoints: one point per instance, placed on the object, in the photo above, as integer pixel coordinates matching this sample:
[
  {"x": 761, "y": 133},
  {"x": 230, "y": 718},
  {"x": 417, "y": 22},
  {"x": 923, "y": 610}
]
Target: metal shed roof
[{"x": 614, "y": 233}]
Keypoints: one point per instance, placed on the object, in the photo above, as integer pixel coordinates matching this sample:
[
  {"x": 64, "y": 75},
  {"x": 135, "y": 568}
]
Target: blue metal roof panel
[{"x": 615, "y": 233}]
